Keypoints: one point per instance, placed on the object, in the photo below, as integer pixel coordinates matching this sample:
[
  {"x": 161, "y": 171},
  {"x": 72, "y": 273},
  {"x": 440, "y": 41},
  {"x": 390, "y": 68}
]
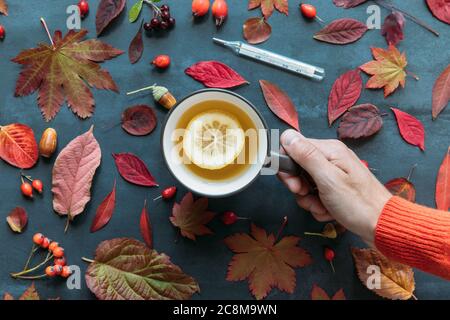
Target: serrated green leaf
[{"x": 135, "y": 10}]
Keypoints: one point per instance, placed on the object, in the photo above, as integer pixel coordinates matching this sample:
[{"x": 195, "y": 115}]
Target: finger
[
  {"x": 323, "y": 218},
  {"x": 308, "y": 156},
  {"x": 295, "y": 184},
  {"x": 312, "y": 204}
]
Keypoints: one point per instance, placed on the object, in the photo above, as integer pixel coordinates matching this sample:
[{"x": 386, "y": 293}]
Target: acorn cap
[{"x": 159, "y": 92}]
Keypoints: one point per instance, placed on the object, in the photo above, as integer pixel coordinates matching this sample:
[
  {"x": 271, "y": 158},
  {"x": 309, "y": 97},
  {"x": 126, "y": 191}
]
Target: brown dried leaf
[
  {"x": 396, "y": 280},
  {"x": 360, "y": 122},
  {"x": 256, "y": 30},
  {"x": 17, "y": 219},
  {"x": 3, "y": 7}
]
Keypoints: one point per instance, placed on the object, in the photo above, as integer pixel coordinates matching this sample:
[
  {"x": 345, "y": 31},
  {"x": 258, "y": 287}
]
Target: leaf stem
[
  {"x": 44, "y": 24},
  {"x": 67, "y": 224},
  {"x": 154, "y": 6},
  {"x": 87, "y": 260},
  {"x": 409, "y": 73},
  {"x": 414, "y": 297},
  {"x": 411, "y": 171},
  {"x": 313, "y": 234},
  {"x": 285, "y": 220},
  {"x": 389, "y": 6},
  {"x": 142, "y": 89}
]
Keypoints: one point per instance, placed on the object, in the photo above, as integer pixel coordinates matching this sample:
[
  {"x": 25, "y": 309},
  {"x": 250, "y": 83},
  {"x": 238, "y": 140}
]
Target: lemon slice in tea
[{"x": 213, "y": 139}]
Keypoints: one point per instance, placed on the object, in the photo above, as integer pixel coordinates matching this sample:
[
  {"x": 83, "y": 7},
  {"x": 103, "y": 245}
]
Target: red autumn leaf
[
  {"x": 360, "y": 121},
  {"x": 265, "y": 262},
  {"x": 411, "y": 129},
  {"x": 443, "y": 184},
  {"x": 139, "y": 120},
  {"x": 65, "y": 71},
  {"x": 387, "y": 70},
  {"x": 3, "y": 7},
  {"x": 146, "y": 227},
  {"x": 73, "y": 173},
  {"x": 136, "y": 47},
  {"x": 280, "y": 103},
  {"x": 192, "y": 216},
  {"x": 18, "y": 146},
  {"x": 104, "y": 211},
  {"x": 441, "y": 92},
  {"x": 107, "y": 11},
  {"x": 402, "y": 187},
  {"x": 134, "y": 170},
  {"x": 348, "y": 3},
  {"x": 17, "y": 219},
  {"x": 344, "y": 94},
  {"x": 342, "y": 31},
  {"x": 317, "y": 293},
  {"x": 392, "y": 28},
  {"x": 268, "y": 6},
  {"x": 215, "y": 74},
  {"x": 256, "y": 30},
  {"x": 440, "y": 9}
]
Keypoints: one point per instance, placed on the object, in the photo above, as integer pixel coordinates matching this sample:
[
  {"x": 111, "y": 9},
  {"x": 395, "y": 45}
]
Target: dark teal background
[{"x": 266, "y": 201}]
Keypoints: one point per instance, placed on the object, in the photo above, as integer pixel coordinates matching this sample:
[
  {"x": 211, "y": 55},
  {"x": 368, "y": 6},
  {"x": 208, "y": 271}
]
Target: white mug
[{"x": 264, "y": 157}]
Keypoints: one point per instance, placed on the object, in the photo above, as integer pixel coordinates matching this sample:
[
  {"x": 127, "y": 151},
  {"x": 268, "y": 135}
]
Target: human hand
[{"x": 347, "y": 191}]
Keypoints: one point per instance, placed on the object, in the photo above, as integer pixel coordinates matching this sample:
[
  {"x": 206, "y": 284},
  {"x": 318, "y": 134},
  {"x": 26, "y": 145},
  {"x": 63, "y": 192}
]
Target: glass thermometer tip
[{"x": 274, "y": 59}]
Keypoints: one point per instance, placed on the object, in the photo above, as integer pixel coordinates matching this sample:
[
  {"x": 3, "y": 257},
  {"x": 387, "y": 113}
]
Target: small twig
[
  {"x": 48, "y": 32},
  {"x": 34, "y": 248},
  {"x": 47, "y": 259},
  {"x": 67, "y": 224},
  {"x": 285, "y": 220},
  {"x": 409, "y": 16},
  {"x": 142, "y": 89},
  {"x": 313, "y": 234},
  {"x": 31, "y": 277},
  {"x": 411, "y": 171},
  {"x": 154, "y": 6}
]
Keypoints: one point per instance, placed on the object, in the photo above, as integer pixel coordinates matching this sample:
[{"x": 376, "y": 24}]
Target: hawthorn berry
[
  {"x": 50, "y": 271},
  {"x": 229, "y": 218},
  {"x": 58, "y": 252},
  {"x": 45, "y": 243},
  {"x": 66, "y": 272},
  {"x": 2, "y": 32},
  {"x": 37, "y": 185},
  {"x": 58, "y": 269},
  {"x": 38, "y": 238},
  {"x": 329, "y": 255},
  {"x": 53, "y": 245},
  {"x": 60, "y": 261},
  {"x": 84, "y": 8},
  {"x": 27, "y": 189}
]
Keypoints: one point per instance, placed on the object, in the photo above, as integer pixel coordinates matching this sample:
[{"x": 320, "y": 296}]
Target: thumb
[{"x": 307, "y": 155}]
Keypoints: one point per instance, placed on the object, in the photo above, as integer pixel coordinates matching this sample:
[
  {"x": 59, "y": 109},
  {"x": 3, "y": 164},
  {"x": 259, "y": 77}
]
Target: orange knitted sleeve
[{"x": 415, "y": 235}]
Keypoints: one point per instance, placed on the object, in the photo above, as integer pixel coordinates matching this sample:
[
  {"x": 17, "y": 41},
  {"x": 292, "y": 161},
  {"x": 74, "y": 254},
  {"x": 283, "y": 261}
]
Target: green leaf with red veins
[
  {"x": 264, "y": 261},
  {"x": 126, "y": 269}
]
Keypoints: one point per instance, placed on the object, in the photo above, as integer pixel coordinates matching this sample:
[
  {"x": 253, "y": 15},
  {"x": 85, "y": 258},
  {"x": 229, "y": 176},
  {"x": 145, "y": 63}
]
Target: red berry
[
  {"x": 50, "y": 271},
  {"x": 53, "y": 245},
  {"x": 229, "y": 218},
  {"x": 2, "y": 32},
  {"x": 58, "y": 252},
  {"x": 169, "y": 193},
  {"x": 220, "y": 12},
  {"x": 60, "y": 261},
  {"x": 365, "y": 163},
  {"x": 27, "y": 190},
  {"x": 66, "y": 272},
  {"x": 38, "y": 238},
  {"x": 162, "y": 61},
  {"x": 58, "y": 269},
  {"x": 84, "y": 8},
  {"x": 37, "y": 185},
  {"x": 329, "y": 254},
  {"x": 308, "y": 10},
  {"x": 200, "y": 7},
  {"x": 45, "y": 243}
]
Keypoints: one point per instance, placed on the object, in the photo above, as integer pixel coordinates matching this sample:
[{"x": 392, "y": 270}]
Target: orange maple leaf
[
  {"x": 266, "y": 263},
  {"x": 3, "y": 7},
  {"x": 65, "y": 70},
  {"x": 387, "y": 70},
  {"x": 268, "y": 6},
  {"x": 317, "y": 293}
]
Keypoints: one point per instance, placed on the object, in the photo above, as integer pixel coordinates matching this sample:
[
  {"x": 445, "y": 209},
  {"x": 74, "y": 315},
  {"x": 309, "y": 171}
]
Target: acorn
[
  {"x": 48, "y": 143},
  {"x": 161, "y": 94}
]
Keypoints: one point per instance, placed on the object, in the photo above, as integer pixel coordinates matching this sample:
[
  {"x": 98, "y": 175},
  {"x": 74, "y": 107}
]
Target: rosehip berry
[
  {"x": 58, "y": 252},
  {"x": 60, "y": 261},
  {"x": 2, "y": 32},
  {"x": 58, "y": 269},
  {"x": 37, "y": 185},
  {"x": 38, "y": 238},
  {"x": 308, "y": 10},
  {"x": 329, "y": 256},
  {"x": 50, "y": 271},
  {"x": 200, "y": 7},
  {"x": 220, "y": 12},
  {"x": 45, "y": 243},
  {"x": 66, "y": 272},
  {"x": 162, "y": 61},
  {"x": 53, "y": 245},
  {"x": 27, "y": 190},
  {"x": 84, "y": 8},
  {"x": 229, "y": 218},
  {"x": 169, "y": 193}
]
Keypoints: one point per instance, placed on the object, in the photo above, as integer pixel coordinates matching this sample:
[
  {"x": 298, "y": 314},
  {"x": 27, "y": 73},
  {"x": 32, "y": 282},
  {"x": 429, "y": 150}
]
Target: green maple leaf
[{"x": 65, "y": 71}]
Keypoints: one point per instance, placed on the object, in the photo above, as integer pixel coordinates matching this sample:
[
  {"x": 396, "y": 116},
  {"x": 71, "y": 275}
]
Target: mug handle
[{"x": 289, "y": 166}]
